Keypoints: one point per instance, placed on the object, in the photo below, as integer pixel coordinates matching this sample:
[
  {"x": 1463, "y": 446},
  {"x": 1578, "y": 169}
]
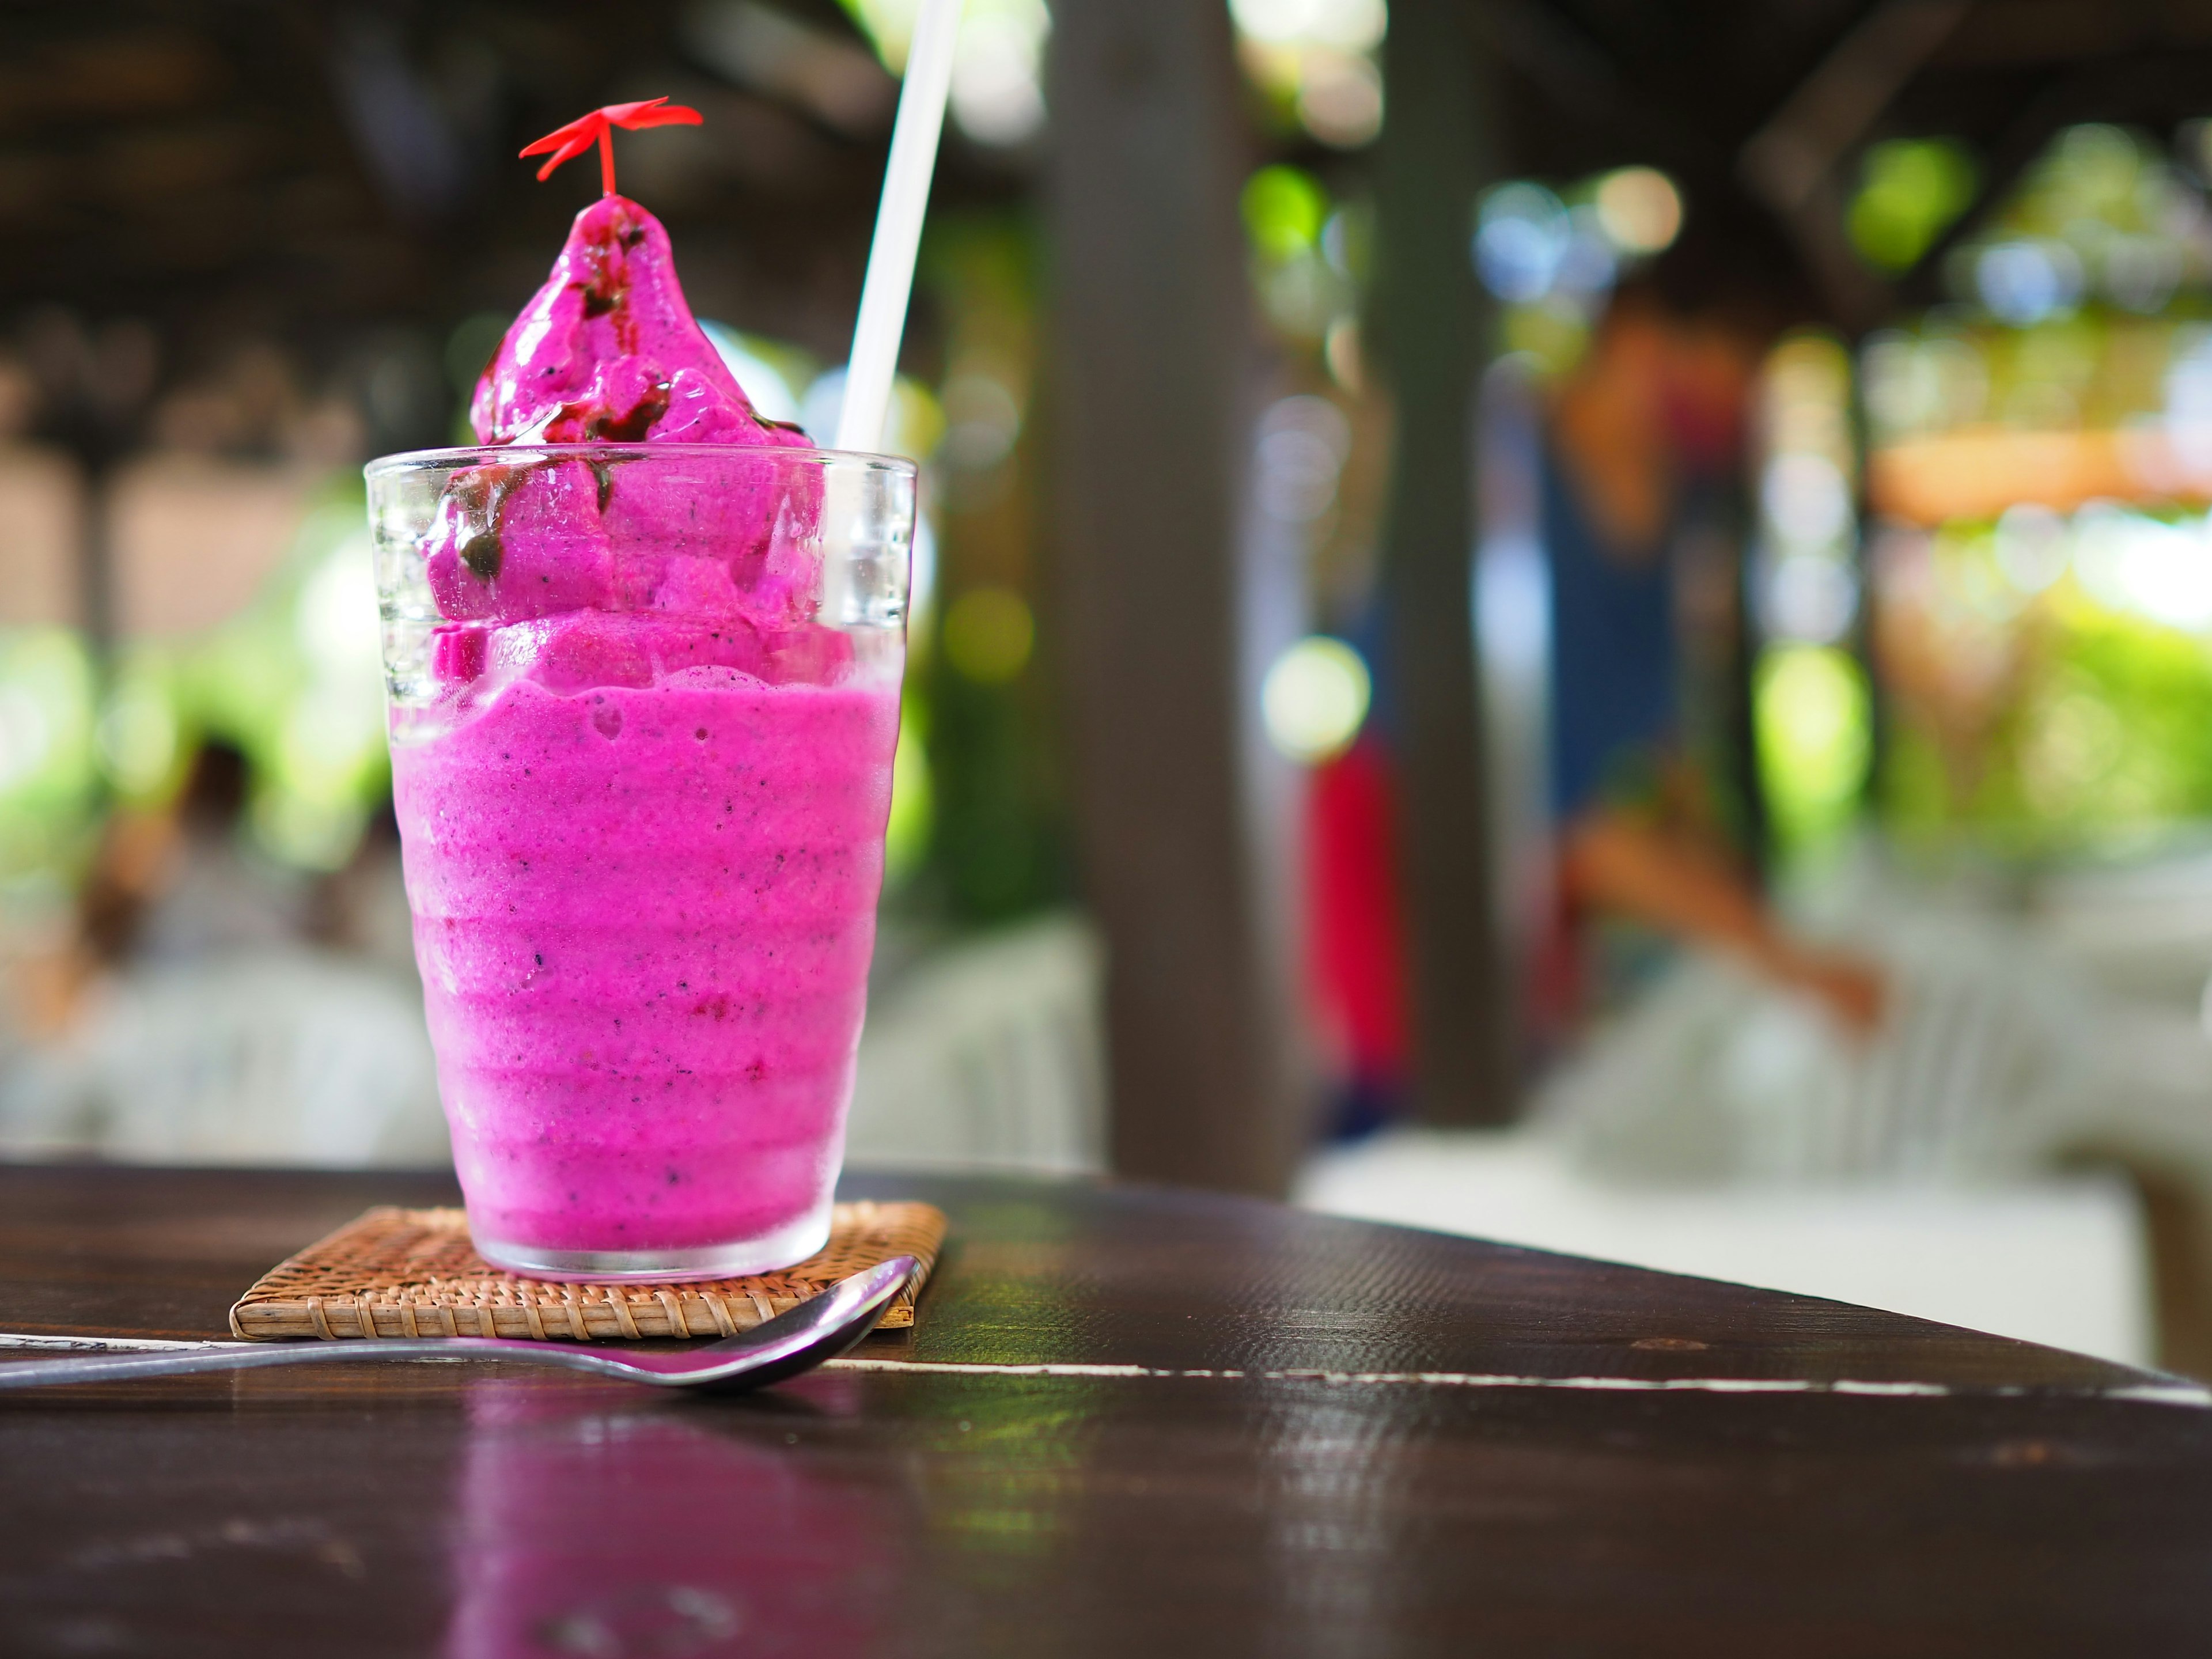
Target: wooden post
[
  {"x": 1430, "y": 319},
  {"x": 1151, "y": 346}
]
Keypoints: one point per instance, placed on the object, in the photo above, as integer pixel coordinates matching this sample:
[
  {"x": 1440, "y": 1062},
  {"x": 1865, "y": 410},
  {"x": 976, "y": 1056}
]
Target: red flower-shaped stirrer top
[{"x": 566, "y": 143}]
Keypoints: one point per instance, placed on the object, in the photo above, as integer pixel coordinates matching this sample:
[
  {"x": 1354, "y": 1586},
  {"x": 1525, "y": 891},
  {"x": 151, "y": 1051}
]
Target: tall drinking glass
[{"x": 643, "y": 700}]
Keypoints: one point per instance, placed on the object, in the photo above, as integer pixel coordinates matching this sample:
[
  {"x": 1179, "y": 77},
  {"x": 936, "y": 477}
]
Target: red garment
[{"x": 1355, "y": 939}]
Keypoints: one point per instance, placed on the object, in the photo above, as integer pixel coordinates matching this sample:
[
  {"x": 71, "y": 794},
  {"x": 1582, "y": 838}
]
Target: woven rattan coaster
[{"x": 414, "y": 1273}]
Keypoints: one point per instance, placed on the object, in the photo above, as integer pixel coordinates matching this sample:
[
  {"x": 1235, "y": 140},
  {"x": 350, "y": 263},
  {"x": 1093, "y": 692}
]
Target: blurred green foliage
[
  {"x": 2092, "y": 180},
  {"x": 1284, "y": 208},
  {"x": 1911, "y": 191},
  {"x": 49, "y": 782},
  {"x": 2091, "y": 731},
  {"x": 1812, "y": 729},
  {"x": 294, "y": 682},
  {"x": 2049, "y": 675},
  {"x": 978, "y": 695}
]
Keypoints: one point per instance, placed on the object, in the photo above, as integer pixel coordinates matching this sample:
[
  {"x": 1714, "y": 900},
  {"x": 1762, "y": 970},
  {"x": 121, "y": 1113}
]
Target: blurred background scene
[{"x": 1584, "y": 623}]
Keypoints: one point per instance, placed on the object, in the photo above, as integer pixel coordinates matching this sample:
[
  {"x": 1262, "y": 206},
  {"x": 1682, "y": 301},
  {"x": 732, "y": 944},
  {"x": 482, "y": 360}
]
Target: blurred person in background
[
  {"x": 183, "y": 884},
  {"x": 1644, "y": 440},
  {"x": 222, "y": 1010},
  {"x": 1642, "y": 452}
]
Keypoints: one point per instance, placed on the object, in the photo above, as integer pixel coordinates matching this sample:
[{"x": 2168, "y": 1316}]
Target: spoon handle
[{"x": 129, "y": 1367}]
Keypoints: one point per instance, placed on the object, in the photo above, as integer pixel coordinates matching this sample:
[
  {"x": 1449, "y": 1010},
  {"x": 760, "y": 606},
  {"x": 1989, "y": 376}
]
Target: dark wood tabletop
[{"x": 1130, "y": 1421}]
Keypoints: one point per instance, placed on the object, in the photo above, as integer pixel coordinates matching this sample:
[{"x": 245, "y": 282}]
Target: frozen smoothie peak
[{"x": 608, "y": 351}]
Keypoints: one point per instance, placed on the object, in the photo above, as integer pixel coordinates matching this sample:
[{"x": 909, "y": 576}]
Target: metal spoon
[{"x": 818, "y": 1329}]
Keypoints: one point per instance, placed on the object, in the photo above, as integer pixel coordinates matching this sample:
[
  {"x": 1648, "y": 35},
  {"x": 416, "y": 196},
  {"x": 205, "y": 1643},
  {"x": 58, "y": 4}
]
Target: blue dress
[{"x": 1615, "y": 694}]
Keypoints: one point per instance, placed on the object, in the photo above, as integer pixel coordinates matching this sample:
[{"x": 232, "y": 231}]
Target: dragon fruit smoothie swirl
[{"x": 643, "y": 799}]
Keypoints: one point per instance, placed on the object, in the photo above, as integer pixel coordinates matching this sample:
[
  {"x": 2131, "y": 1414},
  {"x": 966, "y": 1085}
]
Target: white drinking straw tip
[{"x": 898, "y": 227}]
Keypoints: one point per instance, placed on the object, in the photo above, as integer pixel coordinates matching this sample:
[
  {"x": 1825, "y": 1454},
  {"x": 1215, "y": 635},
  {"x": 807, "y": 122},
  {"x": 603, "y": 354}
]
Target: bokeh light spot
[
  {"x": 988, "y": 634},
  {"x": 1521, "y": 235},
  {"x": 1639, "y": 210},
  {"x": 1315, "y": 698},
  {"x": 1348, "y": 24},
  {"x": 1340, "y": 97},
  {"x": 1813, "y": 724},
  {"x": 1910, "y": 190},
  {"x": 1285, "y": 210}
]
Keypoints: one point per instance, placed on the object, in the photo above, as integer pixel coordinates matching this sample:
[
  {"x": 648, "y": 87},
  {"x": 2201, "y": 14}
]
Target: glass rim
[{"x": 477, "y": 454}]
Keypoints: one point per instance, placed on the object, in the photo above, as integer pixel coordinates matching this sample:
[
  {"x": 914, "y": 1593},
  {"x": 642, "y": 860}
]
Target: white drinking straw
[{"x": 898, "y": 227}]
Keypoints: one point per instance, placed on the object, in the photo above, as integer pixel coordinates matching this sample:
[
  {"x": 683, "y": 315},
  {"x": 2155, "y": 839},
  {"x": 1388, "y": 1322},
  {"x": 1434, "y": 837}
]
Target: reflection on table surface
[{"x": 620, "y": 1527}]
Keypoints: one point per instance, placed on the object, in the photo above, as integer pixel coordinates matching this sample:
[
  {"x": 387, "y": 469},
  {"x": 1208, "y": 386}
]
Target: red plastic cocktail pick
[{"x": 566, "y": 143}]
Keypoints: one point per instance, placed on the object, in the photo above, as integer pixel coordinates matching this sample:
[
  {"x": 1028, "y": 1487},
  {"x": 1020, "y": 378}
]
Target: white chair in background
[
  {"x": 1724, "y": 1128},
  {"x": 280, "y": 1057},
  {"x": 988, "y": 1055},
  {"x": 982, "y": 1053}
]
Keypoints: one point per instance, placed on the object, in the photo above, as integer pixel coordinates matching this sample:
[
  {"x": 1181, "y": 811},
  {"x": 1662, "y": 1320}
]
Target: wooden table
[{"x": 1132, "y": 1422}]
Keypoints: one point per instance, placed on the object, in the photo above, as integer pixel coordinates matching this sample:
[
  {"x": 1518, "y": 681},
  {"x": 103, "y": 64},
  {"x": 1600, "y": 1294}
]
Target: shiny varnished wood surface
[{"x": 1368, "y": 1480}]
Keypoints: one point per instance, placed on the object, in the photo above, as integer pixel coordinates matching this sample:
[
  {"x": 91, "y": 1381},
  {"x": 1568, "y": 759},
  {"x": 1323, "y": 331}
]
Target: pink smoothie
[
  {"x": 644, "y": 918},
  {"x": 643, "y": 824}
]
